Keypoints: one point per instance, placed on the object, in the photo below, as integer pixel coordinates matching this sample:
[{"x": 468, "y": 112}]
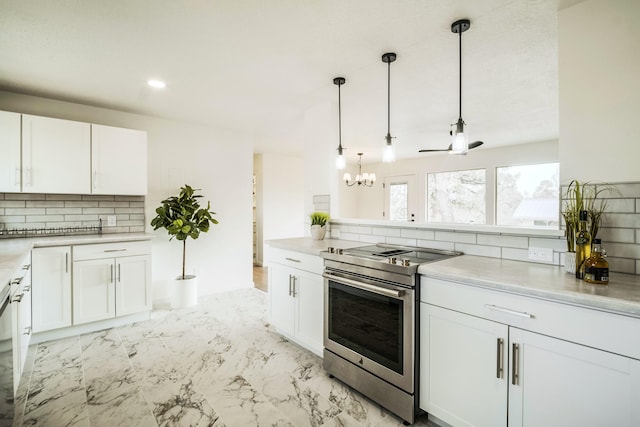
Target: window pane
[
  {"x": 528, "y": 195},
  {"x": 398, "y": 202},
  {"x": 457, "y": 197}
]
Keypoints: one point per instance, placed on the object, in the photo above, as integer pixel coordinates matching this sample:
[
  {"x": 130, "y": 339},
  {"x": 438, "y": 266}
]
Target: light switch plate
[
  {"x": 540, "y": 254},
  {"x": 111, "y": 221}
]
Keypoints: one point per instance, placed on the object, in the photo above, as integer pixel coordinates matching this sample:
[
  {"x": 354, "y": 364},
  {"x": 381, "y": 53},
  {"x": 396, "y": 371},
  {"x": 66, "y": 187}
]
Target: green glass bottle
[{"x": 583, "y": 244}]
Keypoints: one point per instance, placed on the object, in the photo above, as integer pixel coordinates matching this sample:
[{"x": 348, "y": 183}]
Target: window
[
  {"x": 528, "y": 195},
  {"x": 457, "y": 197}
]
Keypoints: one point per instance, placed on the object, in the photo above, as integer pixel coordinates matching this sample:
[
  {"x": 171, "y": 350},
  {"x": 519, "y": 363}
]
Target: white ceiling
[{"x": 257, "y": 65}]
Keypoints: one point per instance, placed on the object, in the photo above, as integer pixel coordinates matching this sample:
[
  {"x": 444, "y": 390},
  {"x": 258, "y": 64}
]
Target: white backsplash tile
[
  {"x": 502, "y": 240},
  {"x": 451, "y": 236},
  {"x": 480, "y": 250},
  {"x": 417, "y": 234}
]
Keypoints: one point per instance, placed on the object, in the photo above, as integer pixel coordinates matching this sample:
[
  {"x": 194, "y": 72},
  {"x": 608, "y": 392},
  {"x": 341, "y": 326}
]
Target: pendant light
[
  {"x": 365, "y": 179},
  {"x": 460, "y": 139},
  {"x": 340, "y": 160},
  {"x": 389, "y": 153}
]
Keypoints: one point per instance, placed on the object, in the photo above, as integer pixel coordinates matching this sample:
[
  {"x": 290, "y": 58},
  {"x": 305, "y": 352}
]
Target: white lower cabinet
[
  {"x": 51, "y": 288},
  {"x": 481, "y": 367},
  {"x": 463, "y": 377},
  {"x": 106, "y": 286},
  {"x": 296, "y": 297}
]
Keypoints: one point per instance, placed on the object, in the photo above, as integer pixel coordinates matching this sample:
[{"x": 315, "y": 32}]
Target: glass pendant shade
[
  {"x": 460, "y": 140},
  {"x": 346, "y": 177},
  {"x": 341, "y": 163},
  {"x": 389, "y": 153}
]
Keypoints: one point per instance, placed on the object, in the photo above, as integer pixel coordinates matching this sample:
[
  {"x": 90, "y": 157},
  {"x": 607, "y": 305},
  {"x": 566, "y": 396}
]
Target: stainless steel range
[{"x": 371, "y": 321}]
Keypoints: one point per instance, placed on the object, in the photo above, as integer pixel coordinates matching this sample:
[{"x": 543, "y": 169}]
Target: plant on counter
[
  {"x": 319, "y": 218},
  {"x": 183, "y": 217},
  {"x": 579, "y": 197},
  {"x": 318, "y": 223}
]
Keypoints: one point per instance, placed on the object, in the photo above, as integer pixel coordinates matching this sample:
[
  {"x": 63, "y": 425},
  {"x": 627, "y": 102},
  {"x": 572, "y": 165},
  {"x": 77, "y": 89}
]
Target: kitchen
[{"x": 609, "y": 100}]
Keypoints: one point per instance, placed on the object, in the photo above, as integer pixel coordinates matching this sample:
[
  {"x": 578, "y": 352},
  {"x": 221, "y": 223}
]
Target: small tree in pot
[{"x": 183, "y": 217}]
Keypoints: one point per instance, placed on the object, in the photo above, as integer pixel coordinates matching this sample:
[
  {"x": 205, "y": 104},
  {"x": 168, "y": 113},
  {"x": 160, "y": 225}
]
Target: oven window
[{"x": 367, "y": 323}]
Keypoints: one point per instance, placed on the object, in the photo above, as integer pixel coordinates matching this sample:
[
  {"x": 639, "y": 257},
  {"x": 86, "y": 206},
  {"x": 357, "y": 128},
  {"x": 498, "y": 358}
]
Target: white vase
[
  {"x": 185, "y": 292},
  {"x": 318, "y": 231},
  {"x": 570, "y": 262}
]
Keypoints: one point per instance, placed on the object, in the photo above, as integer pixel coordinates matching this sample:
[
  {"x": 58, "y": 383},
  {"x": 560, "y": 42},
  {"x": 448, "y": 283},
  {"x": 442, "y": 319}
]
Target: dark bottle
[
  {"x": 596, "y": 267},
  {"x": 583, "y": 245}
]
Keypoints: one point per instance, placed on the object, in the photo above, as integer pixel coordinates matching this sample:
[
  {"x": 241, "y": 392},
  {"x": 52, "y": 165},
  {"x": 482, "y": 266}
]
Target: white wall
[
  {"x": 599, "y": 90},
  {"x": 282, "y": 196},
  {"x": 218, "y": 162}
]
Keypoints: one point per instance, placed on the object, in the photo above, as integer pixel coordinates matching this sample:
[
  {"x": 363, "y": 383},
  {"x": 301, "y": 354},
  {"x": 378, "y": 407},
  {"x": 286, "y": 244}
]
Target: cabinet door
[
  {"x": 281, "y": 302},
  {"x": 565, "y": 384},
  {"x": 133, "y": 284},
  {"x": 463, "y": 368},
  {"x": 56, "y": 156},
  {"x": 93, "y": 290},
  {"x": 10, "y": 149},
  {"x": 51, "y": 288},
  {"x": 309, "y": 295},
  {"x": 118, "y": 161}
]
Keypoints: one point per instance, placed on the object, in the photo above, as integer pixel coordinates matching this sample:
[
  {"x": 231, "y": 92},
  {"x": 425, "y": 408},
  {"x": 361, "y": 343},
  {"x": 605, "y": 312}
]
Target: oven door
[{"x": 371, "y": 325}]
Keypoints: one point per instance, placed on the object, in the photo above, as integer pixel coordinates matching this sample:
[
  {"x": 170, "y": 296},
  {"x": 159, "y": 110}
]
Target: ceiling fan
[{"x": 459, "y": 144}]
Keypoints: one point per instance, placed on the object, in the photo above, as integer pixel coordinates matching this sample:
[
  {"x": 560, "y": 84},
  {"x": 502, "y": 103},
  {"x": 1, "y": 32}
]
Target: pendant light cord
[
  {"x": 339, "y": 121},
  {"x": 389, "y": 99},
  {"x": 460, "y": 76}
]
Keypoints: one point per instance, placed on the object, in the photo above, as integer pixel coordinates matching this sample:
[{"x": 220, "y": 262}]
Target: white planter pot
[
  {"x": 185, "y": 292},
  {"x": 318, "y": 231}
]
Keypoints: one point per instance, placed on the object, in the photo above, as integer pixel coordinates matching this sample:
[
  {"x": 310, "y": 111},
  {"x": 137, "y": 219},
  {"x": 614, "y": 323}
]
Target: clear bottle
[
  {"x": 596, "y": 267},
  {"x": 583, "y": 244}
]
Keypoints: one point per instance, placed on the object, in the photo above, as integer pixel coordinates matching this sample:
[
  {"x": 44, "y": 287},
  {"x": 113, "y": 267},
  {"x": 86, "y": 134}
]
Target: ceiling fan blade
[
  {"x": 435, "y": 150},
  {"x": 475, "y": 144},
  {"x": 432, "y": 150}
]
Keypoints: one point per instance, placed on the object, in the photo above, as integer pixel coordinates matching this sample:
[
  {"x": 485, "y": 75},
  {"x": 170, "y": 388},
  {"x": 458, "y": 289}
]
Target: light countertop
[
  {"x": 13, "y": 251},
  {"x": 621, "y": 295},
  {"x": 312, "y": 247}
]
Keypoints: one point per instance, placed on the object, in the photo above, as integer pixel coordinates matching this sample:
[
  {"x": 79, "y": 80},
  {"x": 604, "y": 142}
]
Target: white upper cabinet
[
  {"x": 55, "y": 156},
  {"x": 118, "y": 161},
  {"x": 10, "y": 149}
]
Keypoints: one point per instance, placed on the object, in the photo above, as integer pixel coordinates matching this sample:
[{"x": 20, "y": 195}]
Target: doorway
[{"x": 400, "y": 198}]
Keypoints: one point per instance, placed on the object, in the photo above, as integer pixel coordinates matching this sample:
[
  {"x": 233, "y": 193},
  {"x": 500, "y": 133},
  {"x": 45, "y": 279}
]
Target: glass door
[{"x": 400, "y": 198}]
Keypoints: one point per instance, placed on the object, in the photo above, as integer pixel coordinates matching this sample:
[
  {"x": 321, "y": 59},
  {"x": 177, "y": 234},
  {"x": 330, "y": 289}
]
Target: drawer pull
[
  {"x": 292, "y": 259},
  {"x": 17, "y": 281},
  {"x": 509, "y": 311},
  {"x": 115, "y": 250}
]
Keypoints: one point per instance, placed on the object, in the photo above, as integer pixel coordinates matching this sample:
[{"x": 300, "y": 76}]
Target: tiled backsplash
[
  {"x": 20, "y": 210},
  {"x": 619, "y": 231}
]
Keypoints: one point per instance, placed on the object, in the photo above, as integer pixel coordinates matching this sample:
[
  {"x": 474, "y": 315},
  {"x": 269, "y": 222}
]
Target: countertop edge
[{"x": 566, "y": 290}]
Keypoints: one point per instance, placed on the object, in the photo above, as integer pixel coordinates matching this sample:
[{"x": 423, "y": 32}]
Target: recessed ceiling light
[{"x": 158, "y": 84}]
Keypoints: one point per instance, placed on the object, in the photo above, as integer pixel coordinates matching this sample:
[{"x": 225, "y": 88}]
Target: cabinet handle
[
  {"x": 294, "y": 285},
  {"x": 27, "y": 174},
  {"x": 26, "y": 266},
  {"x": 95, "y": 179},
  {"x": 500, "y": 358},
  {"x": 115, "y": 250},
  {"x": 66, "y": 262},
  {"x": 27, "y": 288},
  {"x": 292, "y": 259},
  {"x": 111, "y": 268},
  {"x": 118, "y": 272},
  {"x": 509, "y": 311},
  {"x": 27, "y": 331},
  {"x": 16, "y": 178},
  {"x": 17, "y": 298},
  {"x": 515, "y": 350},
  {"x": 290, "y": 285},
  {"x": 17, "y": 281}
]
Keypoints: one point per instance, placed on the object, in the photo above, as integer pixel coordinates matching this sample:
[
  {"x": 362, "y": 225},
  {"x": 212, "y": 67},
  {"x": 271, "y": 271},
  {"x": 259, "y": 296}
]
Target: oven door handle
[{"x": 364, "y": 286}]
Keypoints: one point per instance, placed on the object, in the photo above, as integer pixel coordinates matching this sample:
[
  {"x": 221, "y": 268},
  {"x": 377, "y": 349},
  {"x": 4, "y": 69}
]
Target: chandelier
[{"x": 366, "y": 179}]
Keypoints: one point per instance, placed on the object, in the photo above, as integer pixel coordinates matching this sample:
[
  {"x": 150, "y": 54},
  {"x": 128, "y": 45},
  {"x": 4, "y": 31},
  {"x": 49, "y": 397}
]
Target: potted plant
[
  {"x": 579, "y": 197},
  {"x": 318, "y": 224},
  {"x": 183, "y": 217}
]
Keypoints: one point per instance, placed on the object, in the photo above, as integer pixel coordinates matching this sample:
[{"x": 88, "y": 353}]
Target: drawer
[
  {"x": 302, "y": 261},
  {"x": 111, "y": 250},
  {"x": 603, "y": 330}
]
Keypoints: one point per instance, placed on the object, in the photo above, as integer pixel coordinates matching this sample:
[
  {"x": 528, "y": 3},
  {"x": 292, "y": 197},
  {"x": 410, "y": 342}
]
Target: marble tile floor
[{"x": 217, "y": 364}]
